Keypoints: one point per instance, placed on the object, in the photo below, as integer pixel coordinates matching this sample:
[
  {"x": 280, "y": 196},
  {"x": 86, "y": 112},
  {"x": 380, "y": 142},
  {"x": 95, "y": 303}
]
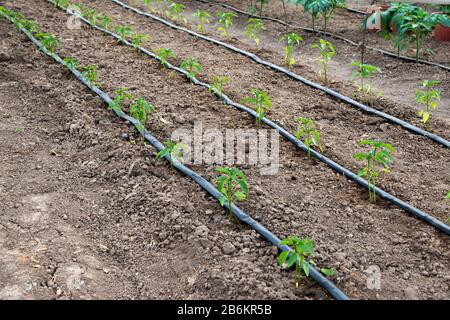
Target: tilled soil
[
  {"x": 87, "y": 214},
  {"x": 397, "y": 76},
  {"x": 348, "y": 24},
  {"x": 305, "y": 198},
  {"x": 341, "y": 126}
]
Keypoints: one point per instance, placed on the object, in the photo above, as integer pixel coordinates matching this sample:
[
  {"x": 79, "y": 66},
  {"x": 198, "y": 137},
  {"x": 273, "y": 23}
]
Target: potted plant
[{"x": 442, "y": 31}]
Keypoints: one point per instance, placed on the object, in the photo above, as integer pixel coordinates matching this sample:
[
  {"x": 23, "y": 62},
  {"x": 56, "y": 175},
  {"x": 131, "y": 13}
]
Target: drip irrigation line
[
  {"x": 294, "y": 76},
  {"x": 332, "y": 35},
  {"x": 334, "y": 291},
  {"x": 288, "y": 136}
]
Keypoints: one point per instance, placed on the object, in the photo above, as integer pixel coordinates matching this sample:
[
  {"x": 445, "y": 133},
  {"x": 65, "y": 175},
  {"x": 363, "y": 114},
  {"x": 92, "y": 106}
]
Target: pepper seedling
[
  {"x": 378, "y": 160},
  {"x": 124, "y": 32},
  {"x": 157, "y": 2},
  {"x": 253, "y": 28},
  {"x": 251, "y": 8},
  {"x": 326, "y": 52},
  {"x": 140, "y": 110},
  {"x": 300, "y": 255},
  {"x": 174, "y": 150},
  {"x": 164, "y": 54},
  {"x": 61, "y": 3},
  {"x": 138, "y": 39},
  {"x": 261, "y": 5},
  {"x": 90, "y": 72},
  {"x": 71, "y": 63},
  {"x": 90, "y": 14},
  {"x": 192, "y": 66},
  {"x": 292, "y": 39},
  {"x": 48, "y": 41},
  {"x": 429, "y": 97},
  {"x": 30, "y": 25},
  {"x": 311, "y": 136},
  {"x": 203, "y": 18},
  {"x": 225, "y": 22},
  {"x": 104, "y": 21},
  {"x": 365, "y": 72},
  {"x": 175, "y": 12},
  {"x": 232, "y": 184},
  {"x": 119, "y": 98},
  {"x": 260, "y": 102},
  {"x": 217, "y": 86}
]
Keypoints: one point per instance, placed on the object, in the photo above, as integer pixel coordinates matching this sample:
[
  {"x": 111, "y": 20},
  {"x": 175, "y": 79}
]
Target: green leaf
[
  {"x": 328, "y": 272},
  {"x": 222, "y": 200},
  {"x": 282, "y": 258},
  {"x": 240, "y": 196},
  {"x": 306, "y": 268},
  {"x": 292, "y": 259}
]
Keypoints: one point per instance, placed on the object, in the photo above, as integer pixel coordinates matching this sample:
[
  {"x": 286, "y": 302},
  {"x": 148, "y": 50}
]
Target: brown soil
[
  {"x": 75, "y": 225},
  {"x": 149, "y": 222},
  {"x": 397, "y": 76},
  {"x": 348, "y": 24}
]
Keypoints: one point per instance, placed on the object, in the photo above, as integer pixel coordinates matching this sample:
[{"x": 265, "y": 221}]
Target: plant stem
[
  {"x": 417, "y": 48},
  {"x": 284, "y": 9},
  {"x": 230, "y": 198}
]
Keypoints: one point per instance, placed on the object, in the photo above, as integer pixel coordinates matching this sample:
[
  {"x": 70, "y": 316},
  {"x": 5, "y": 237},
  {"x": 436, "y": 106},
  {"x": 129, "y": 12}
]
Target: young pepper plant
[
  {"x": 104, "y": 21},
  {"x": 416, "y": 27},
  {"x": 164, "y": 54},
  {"x": 175, "y": 12},
  {"x": 260, "y": 101},
  {"x": 311, "y": 136},
  {"x": 300, "y": 256},
  {"x": 71, "y": 63},
  {"x": 140, "y": 110},
  {"x": 174, "y": 150},
  {"x": 120, "y": 96},
  {"x": 61, "y": 3},
  {"x": 365, "y": 72},
  {"x": 124, "y": 32},
  {"x": 90, "y": 72},
  {"x": 429, "y": 97},
  {"x": 192, "y": 66},
  {"x": 203, "y": 18},
  {"x": 377, "y": 160},
  {"x": 326, "y": 52},
  {"x": 48, "y": 41},
  {"x": 217, "y": 86},
  {"x": 261, "y": 5},
  {"x": 292, "y": 39},
  {"x": 253, "y": 28},
  {"x": 90, "y": 14},
  {"x": 232, "y": 184},
  {"x": 225, "y": 22},
  {"x": 138, "y": 39}
]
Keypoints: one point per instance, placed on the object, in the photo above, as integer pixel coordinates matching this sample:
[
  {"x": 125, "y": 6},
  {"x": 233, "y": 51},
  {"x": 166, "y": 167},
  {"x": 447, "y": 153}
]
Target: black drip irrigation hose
[
  {"x": 334, "y": 291},
  {"x": 355, "y": 11},
  {"x": 335, "y": 166},
  {"x": 332, "y": 35},
  {"x": 294, "y": 76}
]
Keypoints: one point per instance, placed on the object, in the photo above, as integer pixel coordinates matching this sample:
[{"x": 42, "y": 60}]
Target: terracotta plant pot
[
  {"x": 382, "y": 8},
  {"x": 442, "y": 33},
  {"x": 393, "y": 28}
]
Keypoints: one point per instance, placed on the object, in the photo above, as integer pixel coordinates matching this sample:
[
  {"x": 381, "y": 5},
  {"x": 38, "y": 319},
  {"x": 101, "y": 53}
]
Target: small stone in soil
[{"x": 228, "y": 248}]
